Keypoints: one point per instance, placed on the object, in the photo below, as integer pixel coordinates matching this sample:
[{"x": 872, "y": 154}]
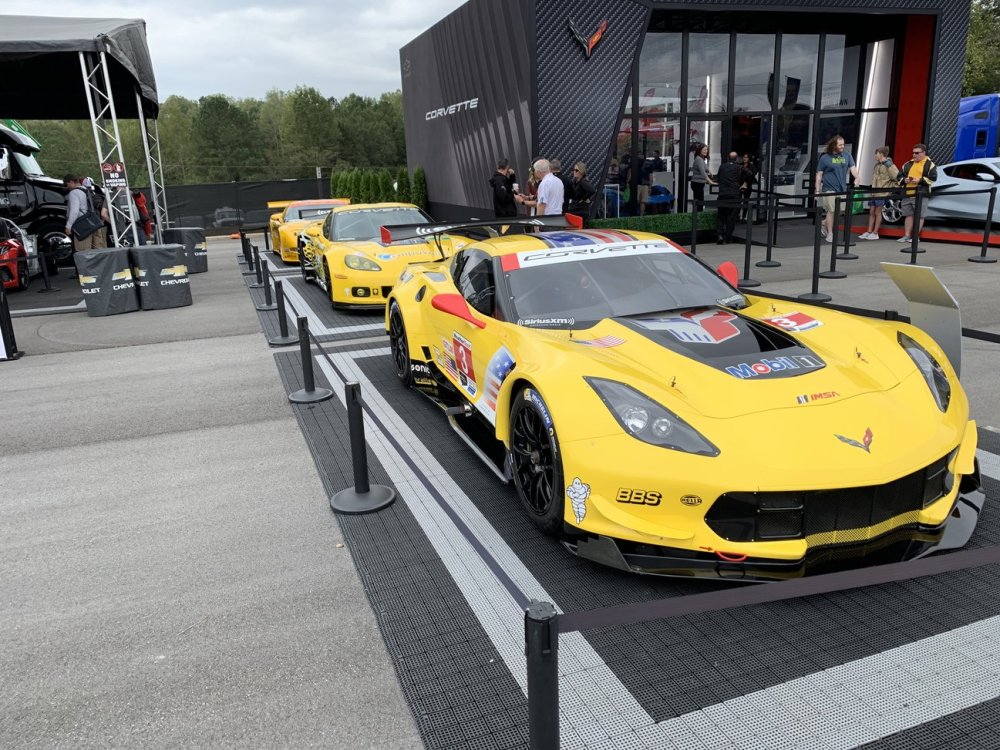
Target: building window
[
  {"x": 708, "y": 73},
  {"x": 754, "y": 72}
]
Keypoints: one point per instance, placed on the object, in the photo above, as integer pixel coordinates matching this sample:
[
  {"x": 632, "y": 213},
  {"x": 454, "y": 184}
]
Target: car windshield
[
  {"x": 29, "y": 165},
  {"x": 366, "y": 223},
  {"x": 307, "y": 212},
  {"x": 573, "y": 287}
]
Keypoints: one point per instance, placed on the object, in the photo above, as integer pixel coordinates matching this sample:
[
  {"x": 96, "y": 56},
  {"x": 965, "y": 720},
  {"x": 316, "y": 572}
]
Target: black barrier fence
[
  {"x": 810, "y": 204},
  {"x": 225, "y": 207},
  {"x": 543, "y": 624}
]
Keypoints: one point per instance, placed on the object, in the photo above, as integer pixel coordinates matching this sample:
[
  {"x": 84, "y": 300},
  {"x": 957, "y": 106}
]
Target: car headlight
[
  {"x": 931, "y": 369},
  {"x": 361, "y": 263},
  {"x": 648, "y": 421}
]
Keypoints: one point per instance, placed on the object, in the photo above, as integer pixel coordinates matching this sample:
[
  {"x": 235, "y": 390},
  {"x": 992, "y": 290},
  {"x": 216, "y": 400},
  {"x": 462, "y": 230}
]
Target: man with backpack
[{"x": 919, "y": 173}]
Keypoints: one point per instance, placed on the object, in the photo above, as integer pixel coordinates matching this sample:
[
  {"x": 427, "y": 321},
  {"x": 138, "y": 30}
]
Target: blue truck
[{"x": 978, "y": 135}]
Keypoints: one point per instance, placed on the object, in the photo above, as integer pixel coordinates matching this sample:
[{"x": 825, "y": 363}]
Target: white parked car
[{"x": 949, "y": 198}]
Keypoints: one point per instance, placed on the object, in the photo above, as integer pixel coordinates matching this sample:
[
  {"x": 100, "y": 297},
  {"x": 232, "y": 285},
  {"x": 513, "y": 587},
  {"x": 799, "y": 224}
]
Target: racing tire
[
  {"x": 22, "y": 275},
  {"x": 536, "y": 462},
  {"x": 891, "y": 213},
  {"x": 399, "y": 346},
  {"x": 329, "y": 281},
  {"x": 303, "y": 262}
]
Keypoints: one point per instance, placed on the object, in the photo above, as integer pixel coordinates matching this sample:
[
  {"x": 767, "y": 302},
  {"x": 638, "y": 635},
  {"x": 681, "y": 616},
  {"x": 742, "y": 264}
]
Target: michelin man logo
[{"x": 578, "y": 492}]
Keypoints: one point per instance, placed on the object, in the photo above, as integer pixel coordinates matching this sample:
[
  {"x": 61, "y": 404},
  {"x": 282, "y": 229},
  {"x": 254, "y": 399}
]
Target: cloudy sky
[{"x": 244, "y": 49}]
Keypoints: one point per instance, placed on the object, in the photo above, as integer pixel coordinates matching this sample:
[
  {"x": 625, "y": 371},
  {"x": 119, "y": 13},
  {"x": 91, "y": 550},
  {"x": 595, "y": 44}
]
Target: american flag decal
[
  {"x": 496, "y": 372},
  {"x": 604, "y": 342}
]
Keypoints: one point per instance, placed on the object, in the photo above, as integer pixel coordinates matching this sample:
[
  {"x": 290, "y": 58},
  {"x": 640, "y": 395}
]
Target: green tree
[
  {"x": 982, "y": 56},
  {"x": 308, "y": 132},
  {"x": 402, "y": 185},
  {"x": 386, "y": 192},
  {"x": 226, "y": 141},
  {"x": 418, "y": 190}
]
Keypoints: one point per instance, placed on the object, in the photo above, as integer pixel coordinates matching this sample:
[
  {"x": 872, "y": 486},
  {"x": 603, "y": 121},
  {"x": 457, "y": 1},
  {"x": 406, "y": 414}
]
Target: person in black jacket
[
  {"x": 581, "y": 193},
  {"x": 502, "y": 182},
  {"x": 729, "y": 197}
]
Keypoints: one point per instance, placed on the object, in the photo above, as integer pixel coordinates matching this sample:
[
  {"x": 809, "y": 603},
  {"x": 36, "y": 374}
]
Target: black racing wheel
[
  {"x": 399, "y": 346},
  {"x": 535, "y": 461}
]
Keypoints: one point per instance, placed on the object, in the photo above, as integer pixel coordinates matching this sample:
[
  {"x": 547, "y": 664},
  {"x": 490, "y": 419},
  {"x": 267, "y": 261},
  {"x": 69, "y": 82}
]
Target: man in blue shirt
[{"x": 834, "y": 170}]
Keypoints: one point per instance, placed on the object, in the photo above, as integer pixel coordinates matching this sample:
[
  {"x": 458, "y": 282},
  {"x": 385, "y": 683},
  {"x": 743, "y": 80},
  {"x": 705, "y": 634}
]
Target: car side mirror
[
  {"x": 312, "y": 231},
  {"x": 455, "y": 304},
  {"x": 729, "y": 272}
]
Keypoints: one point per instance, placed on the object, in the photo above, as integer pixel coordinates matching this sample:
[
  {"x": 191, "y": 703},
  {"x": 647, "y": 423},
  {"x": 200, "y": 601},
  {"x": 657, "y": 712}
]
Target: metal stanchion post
[
  {"x": 768, "y": 262},
  {"x": 268, "y": 303},
  {"x": 914, "y": 249},
  {"x": 259, "y": 283},
  {"x": 833, "y": 273},
  {"x": 541, "y": 648},
  {"x": 746, "y": 281},
  {"x": 848, "y": 227},
  {"x": 267, "y": 236},
  {"x": 981, "y": 258},
  {"x": 43, "y": 261},
  {"x": 694, "y": 227},
  {"x": 8, "y": 344},
  {"x": 362, "y": 497},
  {"x": 309, "y": 393},
  {"x": 815, "y": 295},
  {"x": 283, "y": 339},
  {"x": 249, "y": 256}
]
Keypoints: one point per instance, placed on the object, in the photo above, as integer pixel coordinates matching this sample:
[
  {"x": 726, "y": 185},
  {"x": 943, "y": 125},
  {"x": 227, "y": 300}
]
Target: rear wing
[
  {"x": 495, "y": 227},
  {"x": 279, "y": 204}
]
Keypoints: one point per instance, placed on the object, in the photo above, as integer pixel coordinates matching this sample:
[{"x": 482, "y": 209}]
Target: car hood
[
  {"x": 726, "y": 364},
  {"x": 417, "y": 250}
]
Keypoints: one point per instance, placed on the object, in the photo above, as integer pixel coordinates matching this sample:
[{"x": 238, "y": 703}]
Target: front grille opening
[{"x": 769, "y": 516}]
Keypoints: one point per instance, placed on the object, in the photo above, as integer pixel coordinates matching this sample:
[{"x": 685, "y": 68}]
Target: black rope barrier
[{"x": 714, "y": 601}]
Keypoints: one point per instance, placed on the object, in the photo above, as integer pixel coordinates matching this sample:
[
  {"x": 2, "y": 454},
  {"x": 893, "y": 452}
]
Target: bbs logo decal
[{"x": 638, "y": 497}]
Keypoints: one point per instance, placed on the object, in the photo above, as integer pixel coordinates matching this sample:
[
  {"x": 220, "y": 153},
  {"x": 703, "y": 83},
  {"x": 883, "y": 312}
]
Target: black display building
[{"x": 612, "y": 82}]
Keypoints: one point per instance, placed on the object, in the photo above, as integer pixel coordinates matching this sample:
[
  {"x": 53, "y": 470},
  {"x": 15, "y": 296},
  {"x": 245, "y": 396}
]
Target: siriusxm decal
[{"x": 764, "y": 367}]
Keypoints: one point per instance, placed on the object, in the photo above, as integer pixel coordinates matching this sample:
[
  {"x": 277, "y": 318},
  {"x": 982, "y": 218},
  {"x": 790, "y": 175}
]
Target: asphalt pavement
[{"x": 172, "y": 573}]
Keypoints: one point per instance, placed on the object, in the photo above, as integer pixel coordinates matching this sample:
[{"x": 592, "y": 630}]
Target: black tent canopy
[
  {"x": 40, "y": 76},
  {"x": 99, "y": 69}
]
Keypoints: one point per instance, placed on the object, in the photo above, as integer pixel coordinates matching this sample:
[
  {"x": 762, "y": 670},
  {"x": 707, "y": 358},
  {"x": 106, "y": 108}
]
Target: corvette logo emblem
[
  {"x": 865, "y": 445},
  {"x": 588, "y": 42}
]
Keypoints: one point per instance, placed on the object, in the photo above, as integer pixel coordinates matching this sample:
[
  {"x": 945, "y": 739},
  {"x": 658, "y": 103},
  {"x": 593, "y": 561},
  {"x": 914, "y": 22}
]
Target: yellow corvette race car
[
  {"x": 659, "y": 420},
  {"x": 285, "y": 226},
  {"x": 348, "y": 256}
]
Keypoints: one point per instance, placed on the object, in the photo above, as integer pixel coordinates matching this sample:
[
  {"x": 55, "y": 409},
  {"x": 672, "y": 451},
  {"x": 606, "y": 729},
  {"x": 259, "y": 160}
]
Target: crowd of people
[{"x": 546, "y": 192}]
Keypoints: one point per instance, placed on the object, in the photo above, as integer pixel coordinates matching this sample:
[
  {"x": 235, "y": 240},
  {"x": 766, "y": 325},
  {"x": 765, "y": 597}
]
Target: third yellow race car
[
  {"x": 660, "y": 420},
  {"x": 348, "y": 256},
  {"x": 285, "y": 226}
]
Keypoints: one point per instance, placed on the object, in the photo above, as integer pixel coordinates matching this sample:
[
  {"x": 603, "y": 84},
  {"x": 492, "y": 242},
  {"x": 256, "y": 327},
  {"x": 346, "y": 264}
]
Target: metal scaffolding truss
[
  {"x": 154, "y": 165},
  {"x": 107, "y": 139}
]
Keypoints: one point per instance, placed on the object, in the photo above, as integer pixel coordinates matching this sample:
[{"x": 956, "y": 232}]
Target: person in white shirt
[{"x": 549, "y": 200}]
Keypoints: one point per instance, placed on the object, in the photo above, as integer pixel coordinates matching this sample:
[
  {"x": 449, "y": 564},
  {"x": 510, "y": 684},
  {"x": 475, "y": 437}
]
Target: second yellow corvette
[{"x": 346, "y": 255}]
